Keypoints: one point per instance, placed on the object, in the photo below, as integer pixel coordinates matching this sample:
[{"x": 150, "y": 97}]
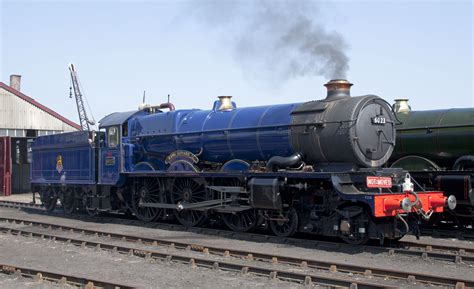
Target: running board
[
  {"x": 186, "y": 206},
  {"x": 228, "y": 189}
]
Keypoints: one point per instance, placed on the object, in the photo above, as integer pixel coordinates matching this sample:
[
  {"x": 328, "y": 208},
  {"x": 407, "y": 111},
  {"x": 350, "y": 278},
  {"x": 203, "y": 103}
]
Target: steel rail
[
  {"x": 272, "y": 273},
  {"x": 248, "y": 255},
  {"x": 429, "y": 248},
  {"x": 15, "y": 204},
  {"x": 40, "y": 275},
  {"x": 406, "y": 248},
  {"x": 425, "y": 252}
]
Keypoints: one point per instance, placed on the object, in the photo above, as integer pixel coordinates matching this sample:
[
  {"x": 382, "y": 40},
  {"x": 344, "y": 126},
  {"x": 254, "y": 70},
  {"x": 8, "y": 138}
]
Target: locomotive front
[{"x": 344, "y": 129}]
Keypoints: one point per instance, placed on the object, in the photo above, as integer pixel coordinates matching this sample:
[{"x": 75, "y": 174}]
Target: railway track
[
  {"x": 193, "y": 262},
  {"x": 467, "y": 235},
  {"x": 403, "y": 248},
  {"x": 62, "y": 279},
  {"x": 453, "y": 251},
  {"x": 437, "y": 252},
  {"x": 14, "y": 204},
  {"x": 249, "y": 256}
]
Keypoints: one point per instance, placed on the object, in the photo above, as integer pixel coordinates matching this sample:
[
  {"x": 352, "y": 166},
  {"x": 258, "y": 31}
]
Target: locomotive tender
[
  {"x": 313, "y": 167},
  {"x": 437, "y": 147}
]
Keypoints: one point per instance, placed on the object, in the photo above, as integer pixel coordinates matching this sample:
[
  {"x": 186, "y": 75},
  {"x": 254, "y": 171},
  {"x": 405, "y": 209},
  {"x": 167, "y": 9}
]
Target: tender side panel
[
  {"x": 65, "y": 158},
  {"x": 68, "y": 165}
]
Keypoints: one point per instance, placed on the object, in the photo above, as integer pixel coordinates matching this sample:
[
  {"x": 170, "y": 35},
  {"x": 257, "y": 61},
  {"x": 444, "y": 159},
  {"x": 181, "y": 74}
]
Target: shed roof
[{"x": 39, "y": 105}]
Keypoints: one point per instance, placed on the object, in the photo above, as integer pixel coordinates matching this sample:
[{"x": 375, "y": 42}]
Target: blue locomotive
[{"x": 313, "y": 167}]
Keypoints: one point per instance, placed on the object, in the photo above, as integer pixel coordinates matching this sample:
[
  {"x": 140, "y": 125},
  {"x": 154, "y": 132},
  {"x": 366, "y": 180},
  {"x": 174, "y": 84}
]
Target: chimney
[
  {"x": 401, "y": 105},
  {"x": 226, "y": 103},
  {"x": 338, "y": 88},
  {"x": 15, "y": 81}
]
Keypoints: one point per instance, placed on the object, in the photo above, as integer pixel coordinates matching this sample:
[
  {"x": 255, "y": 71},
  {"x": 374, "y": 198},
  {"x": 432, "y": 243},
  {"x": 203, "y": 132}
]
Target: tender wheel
[
  {"x": 49, "y": 199},
  {"x": 149, "y": 190},
  {"x": 243, "y": 221},
  {"x": 187, "y": 191},
  {"x": 287, "y": 225},
  {"x": 68, "y": 201}
]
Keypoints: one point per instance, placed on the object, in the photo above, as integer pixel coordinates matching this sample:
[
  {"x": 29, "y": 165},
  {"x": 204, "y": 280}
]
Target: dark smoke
[{"x": 282, "y": 37}]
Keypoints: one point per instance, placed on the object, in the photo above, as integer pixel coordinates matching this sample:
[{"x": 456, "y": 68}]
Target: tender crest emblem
[{"x": 59, "y": 163}]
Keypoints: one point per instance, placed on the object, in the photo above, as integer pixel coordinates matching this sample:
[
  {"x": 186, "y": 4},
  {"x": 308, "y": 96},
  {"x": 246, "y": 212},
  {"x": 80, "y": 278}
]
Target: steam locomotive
[
  {"x": 310, "y": 167},
  {"x": 437, "y": 147}
]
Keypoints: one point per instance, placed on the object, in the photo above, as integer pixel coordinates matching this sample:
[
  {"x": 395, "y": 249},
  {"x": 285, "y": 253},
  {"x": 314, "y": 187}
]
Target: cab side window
[
  {"x": 113, "y": 136},
  {"x": 125, "y": 130}
]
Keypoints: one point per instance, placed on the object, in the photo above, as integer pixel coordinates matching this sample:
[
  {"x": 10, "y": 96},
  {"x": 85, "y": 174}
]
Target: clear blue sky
[{"x": 396, "y": 49}]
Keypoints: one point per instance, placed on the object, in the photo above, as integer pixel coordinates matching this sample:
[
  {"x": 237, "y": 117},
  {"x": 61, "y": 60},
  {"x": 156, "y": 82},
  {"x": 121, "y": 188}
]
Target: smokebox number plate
[
  {"x": 379, "y": 182},
  {"x": 379, "y": 120}
]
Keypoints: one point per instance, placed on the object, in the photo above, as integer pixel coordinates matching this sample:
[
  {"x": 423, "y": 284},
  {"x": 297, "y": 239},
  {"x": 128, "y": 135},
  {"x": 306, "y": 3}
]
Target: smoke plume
[{"x": 282, "y": 37}]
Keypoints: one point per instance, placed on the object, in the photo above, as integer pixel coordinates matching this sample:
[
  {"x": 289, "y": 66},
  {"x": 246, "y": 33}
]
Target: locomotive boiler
[
  {"x": 437, "y": 146},
  {"x": 340, "y": 129},
  {"x": 313, "y": 167}
]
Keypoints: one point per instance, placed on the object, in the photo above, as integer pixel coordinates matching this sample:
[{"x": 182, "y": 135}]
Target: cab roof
[{"x": 116, "y": 118}]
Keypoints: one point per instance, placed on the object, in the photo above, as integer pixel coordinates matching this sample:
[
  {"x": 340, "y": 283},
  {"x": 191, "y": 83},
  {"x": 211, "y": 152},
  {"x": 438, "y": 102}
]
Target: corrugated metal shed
[
  {"x": 21, "y": 112},
  {"x": 21, "y": 120},
  {"x": 5, "y": 166}
]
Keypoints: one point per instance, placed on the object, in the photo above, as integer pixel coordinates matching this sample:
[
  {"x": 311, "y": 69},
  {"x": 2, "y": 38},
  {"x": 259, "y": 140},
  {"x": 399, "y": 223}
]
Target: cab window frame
[{"x": 113, "y": 136}]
